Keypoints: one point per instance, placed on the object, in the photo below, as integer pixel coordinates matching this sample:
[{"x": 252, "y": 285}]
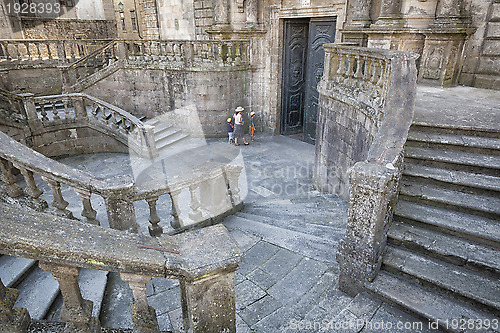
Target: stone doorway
[{"x": 303, "y": 58}]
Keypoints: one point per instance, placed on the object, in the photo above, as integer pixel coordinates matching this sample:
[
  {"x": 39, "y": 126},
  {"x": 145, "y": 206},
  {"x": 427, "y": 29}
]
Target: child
[
  {"x": 252, "y": 125},
  {"x": 230, "y": 130}
]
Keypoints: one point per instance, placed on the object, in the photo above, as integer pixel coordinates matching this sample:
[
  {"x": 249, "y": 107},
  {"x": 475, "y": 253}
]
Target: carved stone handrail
[
  {"x": 370, "y": 92},
  {"x": 29, "y": 52},
  {"x": 203, "y": 260}
]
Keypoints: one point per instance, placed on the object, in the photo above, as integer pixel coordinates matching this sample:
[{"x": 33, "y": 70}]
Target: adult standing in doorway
[{"x": 238, "y": 126}]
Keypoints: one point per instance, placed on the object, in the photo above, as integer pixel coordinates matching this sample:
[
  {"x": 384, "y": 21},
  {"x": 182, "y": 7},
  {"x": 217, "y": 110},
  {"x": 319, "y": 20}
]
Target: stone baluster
[
  {"x": 76, "y": 311},
  {"x": 359, "y": 66},
  {"x": 55, "y": 112},
  {"x": 208, "y": 303},
  {"x": 12, "y": 319},
  {"x": 31, "y": 189},
  {"x": 143, "y": 315},
  {"x": 221, "y": 12},
  {"x": 28, "y": 53},
  {"x": 61, "y": 52},
  {"x": 49, "y": 52},
  {"x": 195, "y": 214},
  {"x": 390, "y": 15},
  {"x": 5, "y": 51},
  {"x": 80, "y": 107},
  {"x": 368, "y": 69},
  {"x": 341, "y": 64},
  {"x": 39, "y": 54},
  {"x": 220, "y": 55},
  {"x": 57, "y": 198},
  {"x": 154, "y": 229},
  {"x": 188, "y": 54},
  {"x": 233, "y": 175},
  {"x": 238, "y": 54},
  {"x": 176, "y": 211},
  {"x": 8, "y": 178},
  {"x": 382, "y": 73},
  {"x": 350, "y": 66},
  {"x": 87, "y": 211}
]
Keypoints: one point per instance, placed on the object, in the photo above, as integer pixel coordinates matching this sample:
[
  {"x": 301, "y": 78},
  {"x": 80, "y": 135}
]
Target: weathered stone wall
[
  {"x": 76, "y": 139},
  {"x": 38, "y": 28},
  {"x": 153, "y": 92},
  {"x": 344, "y": 135},
  {"x": 38, "y": 81}
]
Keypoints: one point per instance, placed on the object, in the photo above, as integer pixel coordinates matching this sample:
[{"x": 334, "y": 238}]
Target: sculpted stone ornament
[{"x": 12, "y": 319}]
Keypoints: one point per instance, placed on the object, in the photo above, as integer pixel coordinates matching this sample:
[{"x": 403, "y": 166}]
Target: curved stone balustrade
[
  {"x": 203, "y": 260},
  {"x": 163, "y": 54},
  {"x": 365, "y": 111},
  {"x": 58, "y": 51}
]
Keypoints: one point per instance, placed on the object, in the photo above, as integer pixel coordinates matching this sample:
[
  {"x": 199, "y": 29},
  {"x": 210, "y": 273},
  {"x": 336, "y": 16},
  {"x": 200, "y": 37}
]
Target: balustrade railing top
[{"x": 59, "y": 51}]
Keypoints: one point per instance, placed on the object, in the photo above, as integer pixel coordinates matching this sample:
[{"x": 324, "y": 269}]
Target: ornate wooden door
[
  {"x": 321, "y": 31},
  {"x": 294, "y": 77}
]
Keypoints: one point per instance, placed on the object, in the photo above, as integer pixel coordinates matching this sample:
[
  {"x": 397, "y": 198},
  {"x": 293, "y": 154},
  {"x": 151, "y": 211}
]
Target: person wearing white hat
[{"x": 238, "y": 126}]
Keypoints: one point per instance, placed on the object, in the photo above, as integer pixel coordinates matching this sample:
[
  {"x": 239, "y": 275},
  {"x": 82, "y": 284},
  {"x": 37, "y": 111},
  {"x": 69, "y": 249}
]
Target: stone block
[
  {"x": 495, "y": 12},
  {"x": 491, "y": 48},
  {"x": 493, "y": 30}
]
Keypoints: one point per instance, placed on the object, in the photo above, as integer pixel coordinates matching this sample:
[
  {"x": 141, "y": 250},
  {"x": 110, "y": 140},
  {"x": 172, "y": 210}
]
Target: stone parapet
[
  {"x": 365, "y": 110},
  {"x": 203, "y": 260}
]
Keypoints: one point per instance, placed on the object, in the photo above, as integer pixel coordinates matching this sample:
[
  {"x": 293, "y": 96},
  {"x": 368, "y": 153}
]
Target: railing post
[
  {"x": 143, "y": 315},
  {"x": 121, "y": 212},
  {"x": 233, "y": 175},
  {"x": 359, "y": 252},
  {"x": 76, "y": 311},
  {"x": 79, "y": 105},
  {"x": 12, "y": 319},
  {"x": 30, "y": 109},
  {"x": 13, "y": 190},
  {"x": 208, "y": 303},
  {"x": 149, "y": 142}
]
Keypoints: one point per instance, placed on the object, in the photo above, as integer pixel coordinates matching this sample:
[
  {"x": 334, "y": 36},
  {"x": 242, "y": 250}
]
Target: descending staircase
[{"x": 442, "y": 260}]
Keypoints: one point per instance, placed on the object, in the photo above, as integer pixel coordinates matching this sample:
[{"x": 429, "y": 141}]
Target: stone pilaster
[
  {"x": 390, "y": 15},
  {"x": 448, "y": 14},
  {"x": 208, "y": 304}
]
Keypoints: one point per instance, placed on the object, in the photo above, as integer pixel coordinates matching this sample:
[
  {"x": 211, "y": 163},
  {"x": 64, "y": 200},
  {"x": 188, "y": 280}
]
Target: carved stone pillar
[
  {"x": 390, "y": 15},
  {"x": 221, "y": 12},
  {"x": 121, "y": 213},
  {"x": 208, "y": 304},
  {"x": 76, "y": 311},
  {"x": 12, "y": 319},
  {"x": 359, "y": 252},
  {"x": 143, "y": 315}
]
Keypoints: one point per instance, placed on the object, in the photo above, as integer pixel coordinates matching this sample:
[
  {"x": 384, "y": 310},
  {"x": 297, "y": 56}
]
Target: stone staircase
[{"x": 442, "y": 260}]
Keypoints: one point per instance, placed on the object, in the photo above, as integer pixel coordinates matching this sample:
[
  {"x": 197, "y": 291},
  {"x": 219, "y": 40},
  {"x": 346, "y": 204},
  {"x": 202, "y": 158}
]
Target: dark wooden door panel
[
  {"x": 321, "y": 31},
  {"x": 294, "y": 79}
]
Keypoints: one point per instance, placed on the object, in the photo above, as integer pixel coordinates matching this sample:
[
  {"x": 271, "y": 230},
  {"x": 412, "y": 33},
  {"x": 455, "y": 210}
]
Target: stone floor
[{"x": 288, "y": 234}]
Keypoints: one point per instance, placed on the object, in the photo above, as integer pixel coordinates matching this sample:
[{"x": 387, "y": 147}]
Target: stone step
[
  {"x": 441, "y": 275},
  {"x": 451, "y": 249},
  {"x": 299, "y": 225},
  {"x": 427, "y": 303},
  {"x": 165, "y": 134},
  {"x": 171, "y": 139},
  {"x": 457, "y": 177},
  {"x": 479, "y": 229},
  {"x": 37, "y": 292},
  {"x": 92, "y": 286},
  {"x": 13, "y": 269},
  {"x": 160, "y": 128},
  {"x": 310, "y": 216},
  {"x": 469, "y": 201},
  {"x": 487, "y": 81},
  {"x": 470, "y": 142},
  {"x": 452, "y": 158},
  {"x": 321, "y": 249}
]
